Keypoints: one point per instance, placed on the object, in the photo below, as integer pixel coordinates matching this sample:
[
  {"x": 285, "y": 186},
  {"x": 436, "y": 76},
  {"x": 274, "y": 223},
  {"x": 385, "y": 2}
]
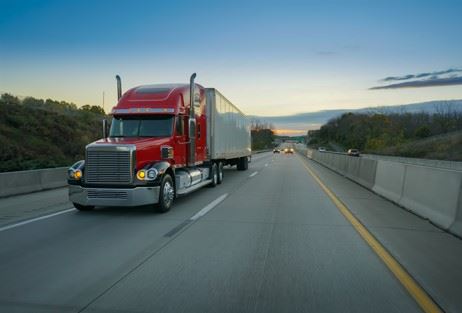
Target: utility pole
[{"x": 104, "y": 109}]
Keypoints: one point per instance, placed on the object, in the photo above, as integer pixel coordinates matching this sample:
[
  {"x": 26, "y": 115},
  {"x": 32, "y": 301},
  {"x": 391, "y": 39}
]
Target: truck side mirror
[{"x": 105, "y": 128}]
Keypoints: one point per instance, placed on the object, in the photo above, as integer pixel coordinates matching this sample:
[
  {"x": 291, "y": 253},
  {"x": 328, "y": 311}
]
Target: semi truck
[{"x": 164, "y": 141}]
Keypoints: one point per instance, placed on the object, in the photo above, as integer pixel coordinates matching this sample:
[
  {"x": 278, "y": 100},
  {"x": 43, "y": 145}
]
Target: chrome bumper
[{"x": 114, "y": 196}]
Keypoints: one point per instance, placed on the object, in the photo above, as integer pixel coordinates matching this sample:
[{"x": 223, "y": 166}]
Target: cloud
[
  {"x": 432, "y": 82},
  {"x": 422, "y": 75}
]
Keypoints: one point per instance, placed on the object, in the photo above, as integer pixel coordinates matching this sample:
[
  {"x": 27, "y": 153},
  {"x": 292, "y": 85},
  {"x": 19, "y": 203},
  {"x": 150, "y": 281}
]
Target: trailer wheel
[
  {"x": 243, "y": 164},
  {"x": 220, "y": 172},
  {"x": 166, "y": 194},
  {"x": 214, "y": 175},
  {"x": 83, "y": 207}
]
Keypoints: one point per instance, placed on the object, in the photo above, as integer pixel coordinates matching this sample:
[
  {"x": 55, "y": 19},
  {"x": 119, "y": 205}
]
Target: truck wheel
[
  {"x": 243, "y": 164},
  {"x": 220, "y": 173},
  {"x": 214, "y": 175},
  {"x": 83, "y": 207},
  {"x": 166, "y": 194}
]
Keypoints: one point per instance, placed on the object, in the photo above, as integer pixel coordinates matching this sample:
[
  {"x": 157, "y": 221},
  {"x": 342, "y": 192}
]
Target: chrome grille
[
  {"x": 108, "y": 165},
  {"x": 107, "y": 194}
]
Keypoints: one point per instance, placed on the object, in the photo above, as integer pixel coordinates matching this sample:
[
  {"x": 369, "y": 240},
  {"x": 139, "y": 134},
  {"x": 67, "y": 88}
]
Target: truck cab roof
[{"x": 155, "y": 98}]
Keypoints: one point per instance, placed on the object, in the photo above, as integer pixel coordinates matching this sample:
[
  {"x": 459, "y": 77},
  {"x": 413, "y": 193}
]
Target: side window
[{"x": 179, "y": 125}]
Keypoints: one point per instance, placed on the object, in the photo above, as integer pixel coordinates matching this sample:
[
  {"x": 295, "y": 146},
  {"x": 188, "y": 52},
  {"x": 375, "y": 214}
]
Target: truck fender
[{"x": 163, "y": 167}]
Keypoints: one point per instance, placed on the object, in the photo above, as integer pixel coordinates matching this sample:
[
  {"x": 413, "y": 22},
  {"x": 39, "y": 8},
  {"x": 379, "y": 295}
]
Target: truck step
[{"x": 185, "y": 191}]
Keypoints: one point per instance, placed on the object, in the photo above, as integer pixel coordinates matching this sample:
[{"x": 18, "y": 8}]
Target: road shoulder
[
  {"x": 23, "y": 207},
  {"x": 429, "y": 254}
]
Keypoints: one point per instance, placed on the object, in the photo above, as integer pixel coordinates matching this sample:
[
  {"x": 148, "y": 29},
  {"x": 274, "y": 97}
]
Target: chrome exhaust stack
[
  {"x": 192, "y": 123},
  {"x": 119, "y": 87}
]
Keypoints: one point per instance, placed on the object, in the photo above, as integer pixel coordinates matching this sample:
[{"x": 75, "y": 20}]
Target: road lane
[
  {"x": 62, "y": 263},
  {"x": 276, "y": 244}
]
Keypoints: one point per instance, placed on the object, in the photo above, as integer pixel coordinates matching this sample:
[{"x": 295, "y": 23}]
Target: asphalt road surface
[{"x": 266, "y": 240}]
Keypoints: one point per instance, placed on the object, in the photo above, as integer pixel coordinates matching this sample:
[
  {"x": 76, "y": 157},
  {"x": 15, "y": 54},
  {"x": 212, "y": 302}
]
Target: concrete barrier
[
  {"x": 360, "y": 170},
  {"x": 389, "y": 180},
  {"x": 456, "y": 227},
  {"x": 15, "y": 183},
  {"x": 367, "y": 172},
  {"x": 432, "y": 193}
]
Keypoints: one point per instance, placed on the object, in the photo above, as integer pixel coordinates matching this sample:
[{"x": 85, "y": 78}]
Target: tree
[{"x": 93, "y": 108}]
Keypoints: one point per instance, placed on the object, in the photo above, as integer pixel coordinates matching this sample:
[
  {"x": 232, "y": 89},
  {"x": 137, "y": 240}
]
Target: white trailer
[{"x": 228, "y": 131}]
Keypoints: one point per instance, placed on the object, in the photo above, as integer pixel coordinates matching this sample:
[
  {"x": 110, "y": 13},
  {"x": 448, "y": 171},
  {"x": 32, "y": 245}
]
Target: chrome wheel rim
[
  {"x": 168, "y": 193},
  {"x": 215, "y": 177}
]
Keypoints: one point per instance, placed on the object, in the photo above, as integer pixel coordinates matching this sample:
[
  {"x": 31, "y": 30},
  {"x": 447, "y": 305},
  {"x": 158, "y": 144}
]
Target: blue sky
[{"x": 269, "y": 57}]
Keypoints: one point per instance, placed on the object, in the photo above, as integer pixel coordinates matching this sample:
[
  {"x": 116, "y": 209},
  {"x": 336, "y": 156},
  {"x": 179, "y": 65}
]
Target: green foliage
[
  {"x": 261, "y": 134},
  {"x": 389, "y": 133},
  {"x": 262, "y": 139},
  {"x": 39, "y": 133},
  {"x": 93, "y": 108},
  {"x": 423, "y": 132}
]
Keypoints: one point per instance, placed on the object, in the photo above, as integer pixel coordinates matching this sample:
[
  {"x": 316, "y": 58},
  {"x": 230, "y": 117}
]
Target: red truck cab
[{"x": 168, "y": 107}]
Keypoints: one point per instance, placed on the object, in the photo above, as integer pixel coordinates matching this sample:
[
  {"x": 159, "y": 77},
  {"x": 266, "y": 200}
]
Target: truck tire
[
  {"x": 220, "y": 173},
  {"x": 83, "y": 207},
  {"x": 166, "y": 194},
  {"x": 213, "y": 175},
  {"x": 243, "y": 164}
]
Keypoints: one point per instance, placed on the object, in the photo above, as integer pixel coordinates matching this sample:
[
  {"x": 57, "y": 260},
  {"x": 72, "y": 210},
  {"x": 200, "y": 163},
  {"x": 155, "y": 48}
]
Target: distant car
[
  {"x": 276, "y": 151},
  {"x": 322, "y": 149},
  {"x": 353, "y": 152},
  {"x": 289, "y": 150}
]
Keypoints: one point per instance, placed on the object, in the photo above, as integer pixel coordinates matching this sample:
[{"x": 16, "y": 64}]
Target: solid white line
[
  {"x": 253, "y": 174},
  {"x": 35, "y": 219},
  {"x": 210, "y": 206}
]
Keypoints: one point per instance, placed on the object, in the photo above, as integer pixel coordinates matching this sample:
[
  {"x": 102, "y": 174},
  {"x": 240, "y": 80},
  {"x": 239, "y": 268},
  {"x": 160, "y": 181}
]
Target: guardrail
[
  {"x": 15, "y": 183},
  {"x": 430, "y": 192}
]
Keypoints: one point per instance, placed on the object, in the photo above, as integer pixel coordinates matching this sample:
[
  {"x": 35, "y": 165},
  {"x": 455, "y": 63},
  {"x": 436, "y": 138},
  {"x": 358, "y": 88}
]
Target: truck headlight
[
  {"x": 152, "y": 174},
  {"x": 75, "y": 172},
  {"x": 149, "y": 174},
  {"x": 141, "y": 174}
]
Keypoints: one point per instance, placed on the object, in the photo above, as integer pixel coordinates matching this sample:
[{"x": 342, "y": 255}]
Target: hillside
[
  {"x": 314, "y": 120},
  {"x": 37, "y": 133},
  {"x": 425, "y": 135},
  {"x": 440, "y": 147}
]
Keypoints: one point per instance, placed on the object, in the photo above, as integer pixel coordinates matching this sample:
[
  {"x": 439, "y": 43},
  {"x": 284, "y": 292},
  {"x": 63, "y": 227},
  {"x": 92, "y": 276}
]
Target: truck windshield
[{"x": 145, "y": 126}]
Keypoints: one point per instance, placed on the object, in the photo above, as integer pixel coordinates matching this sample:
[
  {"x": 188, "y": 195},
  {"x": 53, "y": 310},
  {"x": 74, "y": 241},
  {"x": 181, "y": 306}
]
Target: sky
[{"x": 268, "y": 57}]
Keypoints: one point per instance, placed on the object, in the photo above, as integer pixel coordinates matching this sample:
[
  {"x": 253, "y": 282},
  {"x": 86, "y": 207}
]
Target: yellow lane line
[{"x": 414, "y": 289}]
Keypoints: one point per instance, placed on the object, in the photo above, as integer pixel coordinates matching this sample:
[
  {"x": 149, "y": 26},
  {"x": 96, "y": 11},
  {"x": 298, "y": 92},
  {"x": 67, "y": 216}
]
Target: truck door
[{"x": 181, "y": 140}]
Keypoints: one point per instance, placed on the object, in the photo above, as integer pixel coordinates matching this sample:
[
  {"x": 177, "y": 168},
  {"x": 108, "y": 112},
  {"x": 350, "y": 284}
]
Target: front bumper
[{"x": 114, "y": 196}]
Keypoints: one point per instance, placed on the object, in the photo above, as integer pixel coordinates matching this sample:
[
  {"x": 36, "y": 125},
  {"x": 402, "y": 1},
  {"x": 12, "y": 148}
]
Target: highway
[{"x": 267, "y": 240}]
